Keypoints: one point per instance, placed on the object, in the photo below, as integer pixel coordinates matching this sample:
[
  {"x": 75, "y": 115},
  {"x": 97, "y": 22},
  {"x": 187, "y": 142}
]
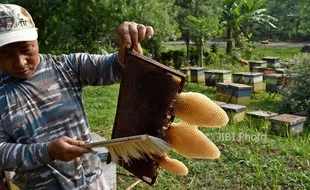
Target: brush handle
[{"x": 116, "y": 141}]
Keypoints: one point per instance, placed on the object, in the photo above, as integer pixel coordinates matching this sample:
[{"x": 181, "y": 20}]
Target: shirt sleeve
[
  {"x": 95, "y": 69},
  {"x": 21, "y": 156}
]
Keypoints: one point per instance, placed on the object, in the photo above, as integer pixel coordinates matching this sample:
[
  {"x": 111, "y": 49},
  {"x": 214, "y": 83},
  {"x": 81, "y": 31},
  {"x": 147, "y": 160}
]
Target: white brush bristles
[{"x": 151, "y": 146}]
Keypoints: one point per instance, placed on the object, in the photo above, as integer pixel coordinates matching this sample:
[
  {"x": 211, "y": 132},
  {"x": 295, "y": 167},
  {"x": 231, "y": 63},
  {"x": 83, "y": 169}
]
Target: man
[{"x": 43, "y": 122}]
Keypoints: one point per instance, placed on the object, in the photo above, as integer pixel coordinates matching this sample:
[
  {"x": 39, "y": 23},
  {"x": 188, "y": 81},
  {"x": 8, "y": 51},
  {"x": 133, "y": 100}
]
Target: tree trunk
[
  {"x": 186, "y": 39},
  {"x": 201, "y": 52},
  {"x": 229, "y": 40},
  {"x": 187, "y": 51}
]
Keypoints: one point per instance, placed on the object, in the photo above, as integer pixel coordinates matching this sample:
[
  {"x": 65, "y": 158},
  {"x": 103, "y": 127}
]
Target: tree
[
  {"x": 154, "y": 13},
  {"x": 67, "y": 26},
  {"x": 294, "y": 19},
  {"x": 239, "y": 15},
  {"x": 198, "y": 20}
]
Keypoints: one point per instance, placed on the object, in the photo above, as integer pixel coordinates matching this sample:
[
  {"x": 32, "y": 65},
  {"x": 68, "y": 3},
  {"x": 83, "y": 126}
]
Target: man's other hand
[{"x": 66, "y": 149}]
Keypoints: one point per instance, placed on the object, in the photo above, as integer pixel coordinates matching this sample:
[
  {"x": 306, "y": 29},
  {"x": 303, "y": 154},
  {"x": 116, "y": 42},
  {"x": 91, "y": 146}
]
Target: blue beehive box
[{"x": 233, "y": 93}]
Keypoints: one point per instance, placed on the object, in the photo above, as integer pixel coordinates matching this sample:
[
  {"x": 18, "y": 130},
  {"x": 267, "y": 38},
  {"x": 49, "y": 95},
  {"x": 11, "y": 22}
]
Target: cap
[{"x": 16, "y": 25}]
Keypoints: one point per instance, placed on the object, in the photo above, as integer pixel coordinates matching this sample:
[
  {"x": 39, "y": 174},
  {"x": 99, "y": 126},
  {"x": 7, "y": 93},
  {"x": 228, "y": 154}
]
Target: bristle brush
[{"x": 133, "y": 147}]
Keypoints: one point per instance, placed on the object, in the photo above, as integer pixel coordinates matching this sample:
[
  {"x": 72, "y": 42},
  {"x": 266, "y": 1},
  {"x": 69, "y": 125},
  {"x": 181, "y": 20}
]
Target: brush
[{"x": 133, "y": 147}]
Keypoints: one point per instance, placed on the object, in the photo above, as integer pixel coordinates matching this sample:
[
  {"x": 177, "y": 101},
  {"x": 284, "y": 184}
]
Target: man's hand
[
  {"x": 129, "y": 35},
  {"x": 66, "y": 149}
]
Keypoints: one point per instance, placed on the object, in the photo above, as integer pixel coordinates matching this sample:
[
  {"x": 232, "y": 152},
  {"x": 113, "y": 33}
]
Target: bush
[
  {"x": 194, "y": 55},
  {"x": 173, "y": 58},
  {"x": 296, "y": 97}
]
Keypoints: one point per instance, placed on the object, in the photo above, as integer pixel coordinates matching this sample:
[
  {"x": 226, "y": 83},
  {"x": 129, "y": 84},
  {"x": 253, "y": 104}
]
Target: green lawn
[
  {"x": 251, "y": 158},
  {"x": 284, "y": 53},
  {"x": 255, "y": 161}
]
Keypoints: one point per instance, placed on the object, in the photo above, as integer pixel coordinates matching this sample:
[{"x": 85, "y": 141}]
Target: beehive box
[
  {"x": 255, "y": 80},
  {"x": 187, "y": 72},
  {"x": 274, "y": 82},
  {"x": 212, "y": 77},
  {"x": 262, "y": 70},
  {"x": 249, "y": 78},
  {"x": 287, "y": 124},
  {"x": 233, "y": 93},
  {"x": 257, "y": 69},
  {"x": 260, "y": 119},
  {"x": 240, "y": 94},
  {"x": 261, "y": 64},
  {"x": 238, "y": 77},
  {"x": 272, "y": 62},
  {"x": 235, "y": 112},
  {"x": 197, "y": 74},
  {"x": 267, "y": 71},
  {"x": 280, "y": 71},
  {"x": 222, "y": 92}
]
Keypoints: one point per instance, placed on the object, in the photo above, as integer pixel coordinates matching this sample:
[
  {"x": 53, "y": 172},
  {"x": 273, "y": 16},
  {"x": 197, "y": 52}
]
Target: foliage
[
  {"x": 296, "y": 97},
  {"x": 89, "y": 26},
  {"x": 239, "y": 16},
  {"x": 154, "y": 13},
  {"x": 198, "y": 20},
  {"x": 173, "y": 58},
  {"x": 194, "y": 55},
  {"x": 294, "y": 20}
]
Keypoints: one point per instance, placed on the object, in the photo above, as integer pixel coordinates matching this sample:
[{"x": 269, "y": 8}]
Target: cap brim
[{"x": 18, "y": 36}]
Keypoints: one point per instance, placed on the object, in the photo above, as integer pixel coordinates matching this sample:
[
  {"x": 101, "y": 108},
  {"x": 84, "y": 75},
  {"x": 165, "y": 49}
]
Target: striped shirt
[{"x": 44, "y": 107}]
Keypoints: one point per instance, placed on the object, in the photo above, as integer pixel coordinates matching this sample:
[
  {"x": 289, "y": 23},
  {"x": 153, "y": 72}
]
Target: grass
[
  {"x": 251, "y": 158},
  {"x": 285, "y": 53}
]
